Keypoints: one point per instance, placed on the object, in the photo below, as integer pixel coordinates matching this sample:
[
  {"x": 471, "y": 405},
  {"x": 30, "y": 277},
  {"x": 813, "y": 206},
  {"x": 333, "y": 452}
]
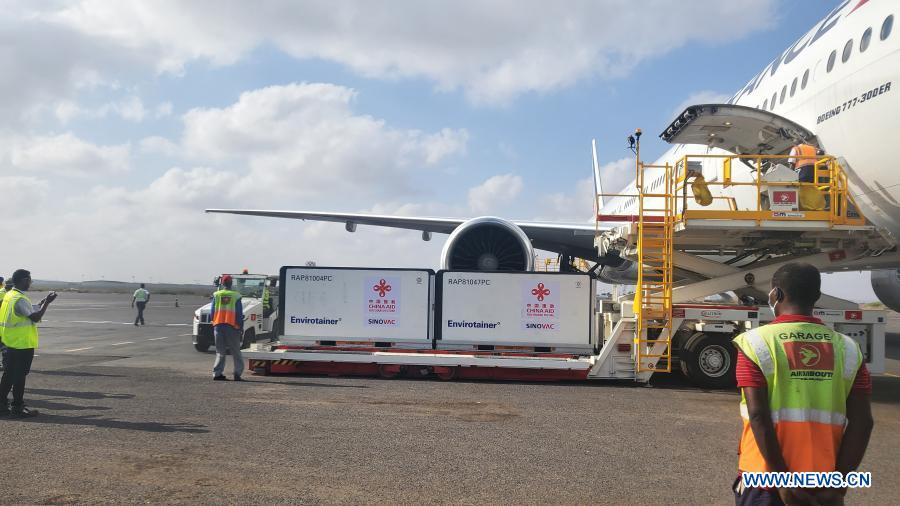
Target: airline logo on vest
[{"x": 810, "y": 361}]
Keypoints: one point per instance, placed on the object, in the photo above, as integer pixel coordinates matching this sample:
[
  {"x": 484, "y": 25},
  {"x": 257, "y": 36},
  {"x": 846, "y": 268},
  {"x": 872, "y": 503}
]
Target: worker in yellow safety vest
[
  {"x": 805, "y": 395},
  {"x": 2, "y": 294},
  {"x": 803, "y": 159},
  {"x": 266, "y": 302},
  {"x": 19, "y": 334},
  {"x": 227, "y": 318}
]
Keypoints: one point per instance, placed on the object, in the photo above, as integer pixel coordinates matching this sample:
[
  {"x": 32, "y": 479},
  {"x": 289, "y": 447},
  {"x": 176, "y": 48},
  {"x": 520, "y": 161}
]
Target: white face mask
[{"x": 772, "y": 305}]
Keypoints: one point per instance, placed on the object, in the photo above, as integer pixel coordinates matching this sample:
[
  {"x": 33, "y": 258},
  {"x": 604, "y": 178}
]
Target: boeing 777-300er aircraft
[{"x": 833, "y": 88}]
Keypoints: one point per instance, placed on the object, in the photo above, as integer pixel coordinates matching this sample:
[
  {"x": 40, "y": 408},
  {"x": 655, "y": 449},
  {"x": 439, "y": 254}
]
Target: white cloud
[
  {"x": 159, "y": 145},
  {"x": 23, "y": 192},
  {"x": 163, "y": 109},
  {"x": 130, "y": 109},
  {"x": 67, "y": 110},
  {"x": 615, "y": 175},
  {"x": 495, "y": 192},
  {"x": 575, "y": 206},
  {"x": 289, "y": 147},
  {"x": 63, "y": 154},
  {"x": 494, "y": 51},
  {"x": 306, "y": 139}
]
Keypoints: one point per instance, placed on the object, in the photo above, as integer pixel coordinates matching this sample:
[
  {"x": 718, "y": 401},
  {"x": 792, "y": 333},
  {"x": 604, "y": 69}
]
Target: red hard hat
[{"x": 226, "y": 278}]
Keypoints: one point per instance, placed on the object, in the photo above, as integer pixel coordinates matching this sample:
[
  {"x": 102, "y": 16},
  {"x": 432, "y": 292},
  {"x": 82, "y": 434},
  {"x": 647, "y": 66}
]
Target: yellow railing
[
  {"x": 829, "y": 185},
  {"x": 830, "y": 182}
]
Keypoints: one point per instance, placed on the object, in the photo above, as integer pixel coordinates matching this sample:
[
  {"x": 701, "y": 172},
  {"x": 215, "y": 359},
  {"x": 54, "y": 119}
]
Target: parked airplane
[{"x": 831, "y": 88}]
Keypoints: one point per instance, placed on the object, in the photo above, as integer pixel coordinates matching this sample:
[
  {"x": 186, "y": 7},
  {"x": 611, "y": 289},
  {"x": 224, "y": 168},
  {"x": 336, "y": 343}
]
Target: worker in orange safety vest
[{"x": 805, "y": 395}]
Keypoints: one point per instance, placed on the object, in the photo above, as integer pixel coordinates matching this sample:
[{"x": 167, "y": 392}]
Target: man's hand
[
  {"x": 51, "y": 297},
  {"x": 796, "y": 496}
]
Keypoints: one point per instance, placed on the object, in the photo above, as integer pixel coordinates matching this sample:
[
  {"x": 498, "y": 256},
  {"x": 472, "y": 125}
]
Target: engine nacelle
[
  {"x": 886, "y": 284},
  {"x": 617, "y": 270},
  {"x": 488, "y": 244}
]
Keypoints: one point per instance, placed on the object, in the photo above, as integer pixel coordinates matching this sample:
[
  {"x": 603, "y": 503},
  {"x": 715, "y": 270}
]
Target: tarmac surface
[{"x": 130, "y": 415}]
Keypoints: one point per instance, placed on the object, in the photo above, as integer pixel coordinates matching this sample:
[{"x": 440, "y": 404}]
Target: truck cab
[{"x": 259, "y": 322}]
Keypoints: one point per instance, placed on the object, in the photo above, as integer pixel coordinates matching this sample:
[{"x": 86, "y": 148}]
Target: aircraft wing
[{"x": 572, "y": 238}]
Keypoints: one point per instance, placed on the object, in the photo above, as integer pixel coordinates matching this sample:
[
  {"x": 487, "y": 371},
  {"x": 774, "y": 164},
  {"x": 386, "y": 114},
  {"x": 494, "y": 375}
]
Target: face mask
[{"x": 771, "y": 304}]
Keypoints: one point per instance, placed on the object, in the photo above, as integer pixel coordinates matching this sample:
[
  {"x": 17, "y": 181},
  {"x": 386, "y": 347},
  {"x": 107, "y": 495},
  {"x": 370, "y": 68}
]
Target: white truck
[{"x": 259, "y": 322}]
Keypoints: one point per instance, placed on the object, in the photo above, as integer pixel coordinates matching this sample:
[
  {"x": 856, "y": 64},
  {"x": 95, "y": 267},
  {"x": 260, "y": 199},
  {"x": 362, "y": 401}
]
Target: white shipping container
[
  {"x": 356, "y": 305},
  {"x": 527, "y": 309}
]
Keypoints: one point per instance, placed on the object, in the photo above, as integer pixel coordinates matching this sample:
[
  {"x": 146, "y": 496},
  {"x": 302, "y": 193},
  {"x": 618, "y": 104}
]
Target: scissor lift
[{"x": 728, "y": 236}]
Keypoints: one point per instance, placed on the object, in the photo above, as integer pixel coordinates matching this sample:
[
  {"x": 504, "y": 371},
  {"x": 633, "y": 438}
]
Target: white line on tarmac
[
  {"x": 123, "y": 342},
  {"x": 182, "y": 335},
  {"x": 79, "y": 349},
  {"x": 177, "y": 324},
  {"x": 158, "y": 338}
]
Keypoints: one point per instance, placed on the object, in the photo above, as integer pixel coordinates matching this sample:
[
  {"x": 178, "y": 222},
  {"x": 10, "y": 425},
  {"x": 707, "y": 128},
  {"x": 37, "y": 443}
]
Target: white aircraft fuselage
[{"x": 851, "y": 105}]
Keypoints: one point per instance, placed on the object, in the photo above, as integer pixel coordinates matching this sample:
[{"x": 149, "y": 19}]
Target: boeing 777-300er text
[{"x": 833, "y": 88}]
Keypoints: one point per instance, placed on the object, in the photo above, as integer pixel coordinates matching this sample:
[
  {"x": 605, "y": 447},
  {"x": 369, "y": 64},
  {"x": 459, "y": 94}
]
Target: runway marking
[
  {"x": 891, "y": 375},
  {"x": 182, "y": 335},
  {"x": 124, "y": 342},
  {"x": 177, "y": 324},
  {"x": 158, "y": 338},
  {"x": 79, "y": 349}
]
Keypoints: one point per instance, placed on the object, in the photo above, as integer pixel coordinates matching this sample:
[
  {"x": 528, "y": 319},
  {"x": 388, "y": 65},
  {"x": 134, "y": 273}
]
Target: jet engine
[
  {"x": 617, "y": 270},
  {"x": 886, "y": 284},
  {"x": 488, "y": 244}
]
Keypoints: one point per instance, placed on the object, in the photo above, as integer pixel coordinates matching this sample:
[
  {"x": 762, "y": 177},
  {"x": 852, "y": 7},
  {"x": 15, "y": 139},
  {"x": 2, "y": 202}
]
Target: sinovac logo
[
  {"x": 540, "y": 326},
  {"x": 383, "y": 321}
]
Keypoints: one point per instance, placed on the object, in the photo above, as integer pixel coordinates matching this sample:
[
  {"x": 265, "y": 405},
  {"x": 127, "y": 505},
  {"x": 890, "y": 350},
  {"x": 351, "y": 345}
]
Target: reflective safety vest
[
  {"x": 809, "y": 372},
  {"x": 266, "y": 301},
  {"x": 804, "y": 154},
  {"x": 17, "y": 331},
  {"x": 225, "y": 308}
]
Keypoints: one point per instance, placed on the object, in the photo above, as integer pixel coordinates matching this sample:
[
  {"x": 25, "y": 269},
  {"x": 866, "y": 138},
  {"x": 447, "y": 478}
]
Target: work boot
[
  {"x": 220, "y": 378},
  {"x": 22, "y": 412},
  {"x": 4, "y": 409},
  {"x": 237, "y": 378}
]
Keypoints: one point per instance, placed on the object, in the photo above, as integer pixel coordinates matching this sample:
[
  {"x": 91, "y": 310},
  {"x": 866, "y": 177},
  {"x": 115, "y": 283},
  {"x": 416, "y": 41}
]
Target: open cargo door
[{"x": 736, "y": 128}]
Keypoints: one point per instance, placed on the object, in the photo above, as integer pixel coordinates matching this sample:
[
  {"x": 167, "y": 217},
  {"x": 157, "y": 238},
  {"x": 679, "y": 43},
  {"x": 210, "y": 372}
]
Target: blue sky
[{"x": 123, "y": 120}]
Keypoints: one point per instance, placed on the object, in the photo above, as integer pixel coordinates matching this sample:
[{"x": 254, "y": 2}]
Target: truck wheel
[
  {"x": 708, "y": 360},
  {"x": 202, "y": 346},
  {"x": 249, "y": 338}
]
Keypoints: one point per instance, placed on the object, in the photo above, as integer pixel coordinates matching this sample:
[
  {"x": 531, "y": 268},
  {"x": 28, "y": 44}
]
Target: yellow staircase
[{"x": 653, "y": 294}]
